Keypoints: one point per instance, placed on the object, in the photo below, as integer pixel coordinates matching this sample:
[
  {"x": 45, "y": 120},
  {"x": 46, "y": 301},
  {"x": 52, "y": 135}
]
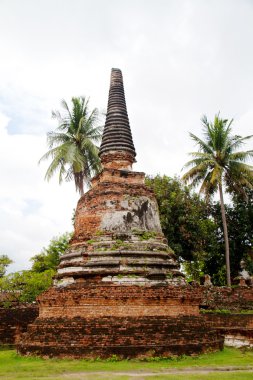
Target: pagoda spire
[{"x": 117, "y": 147}]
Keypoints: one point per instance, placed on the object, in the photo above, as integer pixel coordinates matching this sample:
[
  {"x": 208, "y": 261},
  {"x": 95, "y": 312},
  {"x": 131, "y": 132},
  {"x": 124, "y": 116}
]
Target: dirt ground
[{"x": 144, "y": 375}]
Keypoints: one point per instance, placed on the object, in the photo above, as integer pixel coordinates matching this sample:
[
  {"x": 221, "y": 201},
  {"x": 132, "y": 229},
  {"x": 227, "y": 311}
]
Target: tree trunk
[{"x": 225, "y": 231}]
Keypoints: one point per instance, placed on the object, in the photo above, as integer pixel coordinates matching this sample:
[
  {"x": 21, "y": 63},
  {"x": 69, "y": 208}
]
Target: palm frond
[
  {"x": 238, "y": 141},
  {"x": 56, "y": 115},
  {"x": 208, "y": 187},
  {"x": 199, "y": 170},
  {"x": 65, "y": 106},
  {"x": 56, "y": 138},
  {"x": 242, "y": 155},
  {"x": 72, "y": 146},
  {"x": 218, "y": 158},
  {"x": 51, "y": 152},
  {"x": 216, "y": 175},
  {"x": 202, "y": 145},
  {"x": 208, "y": 162}
]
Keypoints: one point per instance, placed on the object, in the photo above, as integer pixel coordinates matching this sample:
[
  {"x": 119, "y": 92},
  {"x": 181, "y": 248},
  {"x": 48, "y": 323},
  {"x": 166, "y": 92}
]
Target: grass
[{"x": 13, "y": 366}]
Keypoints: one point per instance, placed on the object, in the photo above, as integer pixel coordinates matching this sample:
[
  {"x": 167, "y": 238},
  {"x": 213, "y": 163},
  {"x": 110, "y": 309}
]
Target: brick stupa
[{"x": 118, "y": 289}]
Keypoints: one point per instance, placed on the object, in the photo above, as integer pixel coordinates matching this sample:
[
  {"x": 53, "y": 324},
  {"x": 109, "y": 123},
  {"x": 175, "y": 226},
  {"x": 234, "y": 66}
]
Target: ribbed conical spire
[{"x": 117, "y": 133}]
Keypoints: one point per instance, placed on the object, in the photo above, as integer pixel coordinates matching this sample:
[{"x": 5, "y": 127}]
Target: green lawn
[{"x": 13, "y": 366}]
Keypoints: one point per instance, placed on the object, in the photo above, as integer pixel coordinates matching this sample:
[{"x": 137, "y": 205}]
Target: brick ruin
[
  {"x": 14, "y": 321},
  {"x": 223, "y": 308},
  {"x": 118, "y": 289}
]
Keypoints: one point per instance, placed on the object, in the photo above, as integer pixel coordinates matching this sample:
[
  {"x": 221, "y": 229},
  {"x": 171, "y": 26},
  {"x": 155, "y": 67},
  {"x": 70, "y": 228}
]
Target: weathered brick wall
[
  {"x": 14, "y": 321},
  {"x": 93, "y": 300},
  {"x": 94, "y": 204},
  {"x": 234, "y": 299},
  {"x": 230, "y": 321},
  {"x": 237, "y": 328},
  {"x": 98, "y": 300},
  {"x": 118, "y": 176},
  {"x": 127, "y": 337},
  {"x": 117, "y": 160}
]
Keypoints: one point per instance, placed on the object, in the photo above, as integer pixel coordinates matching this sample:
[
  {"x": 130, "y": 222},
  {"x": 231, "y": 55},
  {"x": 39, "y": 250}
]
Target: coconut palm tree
[
  {"x": 72, "y": 146},
  {"x": 219, "y": 166}
]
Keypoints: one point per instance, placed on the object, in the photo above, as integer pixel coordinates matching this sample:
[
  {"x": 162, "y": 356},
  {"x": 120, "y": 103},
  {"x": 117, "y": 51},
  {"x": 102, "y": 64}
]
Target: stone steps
[
  {"x": 116, "y": 261},
  {"x": 114, "y": 257}
]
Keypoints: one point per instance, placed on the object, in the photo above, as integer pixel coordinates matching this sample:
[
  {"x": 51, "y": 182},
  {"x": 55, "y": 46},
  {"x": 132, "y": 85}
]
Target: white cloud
[{"x": 32, "y": 211}]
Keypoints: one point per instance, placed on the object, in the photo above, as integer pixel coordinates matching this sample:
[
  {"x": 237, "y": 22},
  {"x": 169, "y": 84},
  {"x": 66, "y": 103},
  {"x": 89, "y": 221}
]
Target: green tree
[
  {"x": 243, "y": 219},
  {"x": 240, "y": 230},
  {"x": 72, "y": 146},
  {"x": 5, "y": 261},
  {"x": 25, "y": 286},
  {"x": 49, "y": 257},
  {"x": 184, "y": 219},
  {"x": 218, "y": 163}
]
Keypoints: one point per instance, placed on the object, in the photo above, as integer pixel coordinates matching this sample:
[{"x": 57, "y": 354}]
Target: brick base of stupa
[{"x": 92, "y": 320}]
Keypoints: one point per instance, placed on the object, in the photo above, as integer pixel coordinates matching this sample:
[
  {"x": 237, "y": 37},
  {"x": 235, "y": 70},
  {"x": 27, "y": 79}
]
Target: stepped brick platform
[
  {"x": 118, "y": 289},
  {"x": 100, "y": 300},
  {"x": 126, "y": 337}
]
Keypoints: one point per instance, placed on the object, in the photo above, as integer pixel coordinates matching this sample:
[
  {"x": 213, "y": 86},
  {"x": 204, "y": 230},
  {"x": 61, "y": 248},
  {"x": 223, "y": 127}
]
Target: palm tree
[
  {"x": 219, "y": 164},
  {"x": 72, "y": 146}
]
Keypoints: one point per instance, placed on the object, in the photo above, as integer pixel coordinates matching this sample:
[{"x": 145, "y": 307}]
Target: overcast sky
[{"x": 180, "y": 59}]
